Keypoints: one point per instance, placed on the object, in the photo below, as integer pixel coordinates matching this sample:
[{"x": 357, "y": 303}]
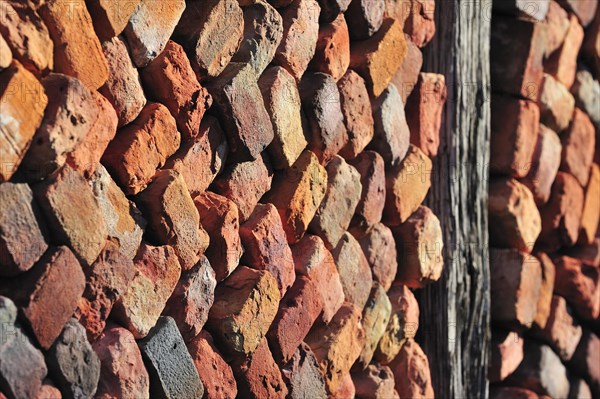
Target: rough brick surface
[
  {"x": 546, "y": 288},
  {"x": 562, "y": 332},
  {"x": 578, "y": 147},
  {"x": 379, "y": 247},
  {"x": 557, "y": 22},
  {"x": 375, "y": 318},
  {"x": 5, "y": 54},
  {"x": 110, "y": 18},
  {"x": 506, "y": 354},
  {"x": 544, "y": 165},
  {"x": 364, "y": 18},
  {"x": 375, "y": 382},
  {"x": 590, "y": 216},
  {"x": 420, "y": 21},
  {"x": 332, "y": 53},
  {"x": 411, "y": 372},
  {"x": 580, "y": 285},
  {"x": 302, "y": 375},
  {"x": 354, "y": 270},
  {"x": 587, "y": 93},
  {"x": 556, "y": 104},
  {"x": 370, "y": 166},
  {"x": 330, "y": 9},
  {"x": 562, "y": 64},
  {"x": 407, "y": 75}
]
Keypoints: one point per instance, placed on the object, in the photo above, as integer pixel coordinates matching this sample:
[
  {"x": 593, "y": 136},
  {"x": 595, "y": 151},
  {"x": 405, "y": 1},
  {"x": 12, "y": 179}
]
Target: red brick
[
  {"x": 220, "y": 218},
  {"x": 157, "y": 273},
  {"x": 375, "y": 382},
  {"x": 173, "y": 218},
  {"x": 578, "y": 147},
  {"x": 354, "y": 270},
  {"x": 75, "y": 220},
  {"x": 300, "y": 33},
  {"x": 245, "y": 183},
  {"x": 580, "y": 285},
  {"x": 392, "y": 134},
  {"x": 345, "y": 389},
  {"x": 407, "y": 75},
  {"x": 364, "y": 18},
  {"x": 506, "y": 354},
  {"x": 411, "y": 372},
  {"x": 562, "y": 64},
  {"x": 379, "y": 248},
  {"x": 515, "y": 127},
  {"x": 48, "y": 391},
  {"x": 585, "y": 11},
  {"x": 211, "y": 33},
  {"x": 312, "y": 259},
  {"x": 369, "y": 210},
  {"x": 424, "y": 110},
  {"x": 297, "y": 193},
  {"x": 282, "y": 101},
  {"x": 71, "y": 30},
  {"x": 215, "y": 373},
  {"x": 514, "y": 218},
  {"x": 557, "y": 25},
  {"x": 109, "y": 17},
  {"x": 378, "y": 58},
  {"x": 142, "y": 147},
  {"x": 556, "y": 104},
  {"x": 590, "y": 216},
  {"x": 331, "y": 9},
  {"x": 375, "y": 318},
  {"x": 22, "y": 232},
  {"x": 545, "y": 298},
  {"x": 302, "y": 375},
  {"x": 585, "y": 360},
  {"x": 562, "y": 332},
  {"x": 587, "y": 254},
  {"x": 332, "y": 53},
  {"x": 406, "y": 186},
  {"x": 245, "y": 305},
  {"x": 356, "y": 109},
  {"x": 146, "y": 38},
  {"x": 338, "y": 344},
  {"x": 420, "y": 21},
  {"x": 122, "y": 373},
  {"x": 300, "y": 308},
  {"x": 109, "y": 278},
  {"x": 5, "y": 54},
  {"x": 516, "y": 280}
]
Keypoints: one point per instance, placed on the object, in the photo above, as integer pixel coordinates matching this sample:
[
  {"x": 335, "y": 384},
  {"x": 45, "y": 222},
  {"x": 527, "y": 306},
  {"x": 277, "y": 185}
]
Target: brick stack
[
  {"x": 216, "y": 198},
  {"x": 544, "y": 202}
]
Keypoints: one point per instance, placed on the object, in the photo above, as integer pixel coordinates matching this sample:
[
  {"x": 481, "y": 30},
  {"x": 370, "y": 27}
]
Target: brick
[
  {"x": 27, "y": 36},
  {"x": 302, "y": 375},
  {"x": 546, "y": 288},
  {"x": 544, "y": 165},
  {"x": 122, "y": 371},
  {"x": 556, "y": 104},
  {"x": 266, "y": 247},
  {"x": 337, "y": 208},
  {"x": 145, "y": 37},
  {"x": 211, "y": 33},
  {"x": 541, "y": 372},
  {"x": 332, "y": 53},
  {"x": 420, "y": 22},
  {"x": 406, "y": 186},
  {"x": 215, "y": 373},
  {"x": 110, "y": 18},
  {"x": 424, "y": 110},
  {"x": 420, "y": 245},
  {"x": 86, "y": 156},
  {"x": 392, "y": 135},
  {"x": 587, "y": 94},
  {"x": 22, "y": 236},
  {"x": 584, "y": 10},
  {"x": 403, "y": 323},
  {"x": 580, "y": 285},
  {"x": 591, "y": 47},
  {"x": 71, "y": 30},
  {"x": 263, "y": 31},
  {"x": 406, "y": 77},
  {"x": 170, "y": 79},
  {"x": 578, "y": 147},
  {"x": 220, "y": 218},
  {"x": 22, "y": 366},
  {"x": 331, "y": 9},
  {"x": 109, "y": 278},
  {"x": 282, "y": 101},
  {"x": 557, "y": 25},
  {"x": 370, "y": 166},
  {"x": 585, "y": 360},
  {"x": 354, "y": 270},
  {"x": 173, "y": 218},
  {"x": 346, "y": 388},
  {"x": 379, "y": 248},
  {"x": 157, "y": 274},
  {"x": 200, "y": 160},
  {"x": 356, "y": 109},
  {"x": 378, "y": 58},
  {"x": 375, "y": 318},
  {"x": 411, "y": 372},
  {"x": 516, "y": 280},
  {"x": 124, "y": 222},
  {"x": 123, "y": 88},
  {"x": 537, "y": 9},
  {"x": 73, "y": 363},
  {"x": 245, "y": 305},
  {"x": 514, "y": 219},
  {"x": 170, "y": 366},
  {"x": 142, "y": 147},
  {"x": 374, "y": 382},
  {"x": 258, "y": 375},
  {"x": 522, "y": 42},
  {"x": 300, "y": 34},
  {"x": 338, "y": 344},
  {"x": 499, "y": 392},
  {"x": 248, "y": 129},
  {"x": 587, "y": 254},
  {"x": 325, "y": 121},
  {"x": 313, "y": 259},
  {"x": 75, "y": 221},
  {"x": 5, "y": 54},
  {"x": 506, "y": 354},
  {"x": 590, "y": 216},
  {"x": 561, "y": 216},
  {"x": 192, "y": 298},
  {"x": 48, "y": 391},
  {"x": 300, "y": 308},
  {"x": 515, "y": 126},
  {"x": 562, "y": 333},
  {"x": 364, "y": 18},
  {"x": 562, "y": 64},
  {"x": 297, "y": 193},
  {"x": 245, "y": 183}
]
